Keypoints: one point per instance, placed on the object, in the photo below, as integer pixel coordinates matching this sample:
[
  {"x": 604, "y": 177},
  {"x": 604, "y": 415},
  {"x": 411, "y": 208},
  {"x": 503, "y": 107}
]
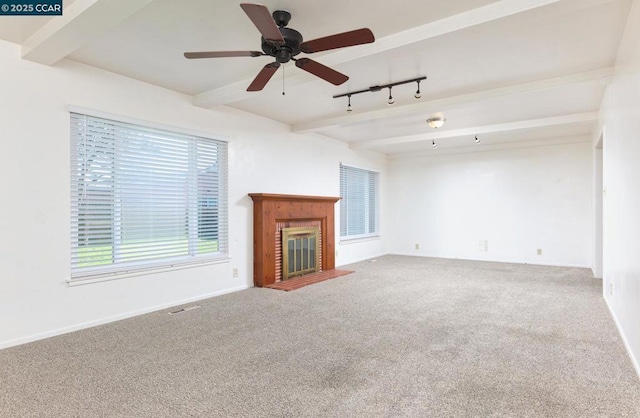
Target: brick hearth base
[{"x": 307, "y": 279}]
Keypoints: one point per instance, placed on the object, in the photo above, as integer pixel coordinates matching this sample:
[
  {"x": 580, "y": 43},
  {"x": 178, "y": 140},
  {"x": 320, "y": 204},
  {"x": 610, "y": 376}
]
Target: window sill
[
  {"x": 105, "y": 277},
  {"x": 347, "y": 241}
]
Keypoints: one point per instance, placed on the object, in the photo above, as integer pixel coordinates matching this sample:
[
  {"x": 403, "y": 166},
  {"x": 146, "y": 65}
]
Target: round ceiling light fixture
[{"x": 436, "y": 123}]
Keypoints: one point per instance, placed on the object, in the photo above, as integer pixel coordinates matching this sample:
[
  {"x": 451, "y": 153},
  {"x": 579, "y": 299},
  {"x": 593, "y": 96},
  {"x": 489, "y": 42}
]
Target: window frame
[
  {"x": 344, "y": 204},
  {"x": 116, "y": 271}
]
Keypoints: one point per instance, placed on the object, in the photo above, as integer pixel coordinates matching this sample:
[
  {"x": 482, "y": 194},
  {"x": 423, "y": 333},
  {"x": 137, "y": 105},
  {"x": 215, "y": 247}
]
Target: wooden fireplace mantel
[{"x": 270, "y": 208}]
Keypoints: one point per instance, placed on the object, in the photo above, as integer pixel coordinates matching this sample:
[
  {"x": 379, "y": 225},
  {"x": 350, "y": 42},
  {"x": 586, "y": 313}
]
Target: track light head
[
  {"x": 390, "y": 101},
  {"x": 477, "y": 140},
  {"x": 349, "y": 109},
  {"x": 433, "y": 144},
  {"x": 418, "y": 95}
]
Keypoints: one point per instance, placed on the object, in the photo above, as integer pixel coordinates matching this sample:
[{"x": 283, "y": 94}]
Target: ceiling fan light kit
[
  {"x": 284, "y": 44},
  {"x": 390, "y": 100}
]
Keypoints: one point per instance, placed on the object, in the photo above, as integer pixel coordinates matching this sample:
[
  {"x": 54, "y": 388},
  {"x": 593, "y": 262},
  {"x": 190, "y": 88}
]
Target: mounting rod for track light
[{"x": 383, "y": 86}]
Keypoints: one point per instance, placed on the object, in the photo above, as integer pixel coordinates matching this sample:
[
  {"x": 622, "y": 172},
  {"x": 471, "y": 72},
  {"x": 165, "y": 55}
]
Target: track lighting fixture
[
  {"x": 477, "y": 140},
  {"x": 433, "y": 144},
  {"x": 390, "y": 101},
  {"x": 436, "y": 123}
]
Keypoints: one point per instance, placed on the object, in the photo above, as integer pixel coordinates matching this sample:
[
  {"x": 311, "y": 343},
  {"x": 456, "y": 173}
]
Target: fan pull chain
[{"x": 283, "y": 80}]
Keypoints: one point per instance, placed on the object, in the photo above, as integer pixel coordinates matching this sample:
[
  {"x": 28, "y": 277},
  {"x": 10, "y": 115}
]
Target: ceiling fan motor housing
[{"x": 284, "y": 52}]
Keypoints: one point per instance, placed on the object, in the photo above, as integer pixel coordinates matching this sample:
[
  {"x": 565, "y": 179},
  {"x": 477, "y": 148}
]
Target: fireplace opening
[{"x": 300, "y": 247}]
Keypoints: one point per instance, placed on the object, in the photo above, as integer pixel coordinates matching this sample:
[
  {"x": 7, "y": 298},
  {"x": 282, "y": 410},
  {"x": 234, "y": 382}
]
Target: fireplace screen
[{"x": 300, "y": 251}]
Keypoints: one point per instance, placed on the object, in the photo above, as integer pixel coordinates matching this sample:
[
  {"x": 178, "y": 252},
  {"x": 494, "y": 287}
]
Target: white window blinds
[
  {"x": 144, "y": 197},
  {"x": 359, "y": 202}
]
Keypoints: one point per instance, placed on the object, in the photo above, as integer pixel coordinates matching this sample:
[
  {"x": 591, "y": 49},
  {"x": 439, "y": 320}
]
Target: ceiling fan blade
[
  {"x": 340, "y": 40},
  {"x": 262, "y": 19},
  {"x": 263, "y": 76},
  {"x": 221, "y": 54},
  {"x": 322, "y": 71}
]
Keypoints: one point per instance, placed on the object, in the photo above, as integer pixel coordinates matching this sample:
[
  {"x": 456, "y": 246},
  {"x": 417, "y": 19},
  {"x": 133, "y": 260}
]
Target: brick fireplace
[{"x": 273, "y": 212}]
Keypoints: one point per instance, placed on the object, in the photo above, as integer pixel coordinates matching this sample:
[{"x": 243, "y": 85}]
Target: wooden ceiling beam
[
  {"x": 237, "y": 91},
  {"x": 437, "y": 105},
  {"x": 573, "y": 119},
  {"x": 81, "y": 22}
]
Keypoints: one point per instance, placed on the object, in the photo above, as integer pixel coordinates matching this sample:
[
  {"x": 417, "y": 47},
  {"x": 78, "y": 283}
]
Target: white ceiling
[{"x": 517, "y": 71}]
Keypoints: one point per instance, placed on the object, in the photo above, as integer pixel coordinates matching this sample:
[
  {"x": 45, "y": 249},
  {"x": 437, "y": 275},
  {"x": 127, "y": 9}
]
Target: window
[
  {"x": 359, "y": 202},
  {"x": 143, "y": 197}
]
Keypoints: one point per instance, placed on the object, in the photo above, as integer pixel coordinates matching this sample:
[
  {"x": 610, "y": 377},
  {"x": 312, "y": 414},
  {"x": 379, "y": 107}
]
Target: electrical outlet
[
  {"x": 336, "y": 253},
  {"x": 235, "y": 272},
  {"x": 417, "y": 246},
  {"x": 486, "y": 245},
  {"x": 481, "y": 245},
  {"x": 610, "y": 289},
  {"x": 539, "y": 251}
]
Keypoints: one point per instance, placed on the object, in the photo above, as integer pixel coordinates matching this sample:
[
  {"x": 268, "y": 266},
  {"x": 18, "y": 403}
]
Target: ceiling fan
[{"x": 284, "y": 44}]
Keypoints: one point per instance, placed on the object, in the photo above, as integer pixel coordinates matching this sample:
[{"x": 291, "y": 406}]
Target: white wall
[
  {"x": 519, "y": 200},
  {"x": 35, "y": 300},
  {"x": 621, "y": 207}
]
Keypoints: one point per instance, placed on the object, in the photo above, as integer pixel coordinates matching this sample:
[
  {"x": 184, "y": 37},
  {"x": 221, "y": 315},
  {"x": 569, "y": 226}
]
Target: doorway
[{"x": 599, "y": 193}]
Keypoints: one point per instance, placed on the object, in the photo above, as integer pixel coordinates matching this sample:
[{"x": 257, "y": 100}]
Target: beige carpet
[{"x": 401, "y": 337}]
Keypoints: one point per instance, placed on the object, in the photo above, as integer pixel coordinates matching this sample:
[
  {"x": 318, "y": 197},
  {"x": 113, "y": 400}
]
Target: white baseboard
[
  {"x": 495, "y": 260},
  {"x": 595, "y": 275},
  {"x": 89, "y": 324},
  {"x": 634, "y": 361},
  {"x": 357, "y": 260}
]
